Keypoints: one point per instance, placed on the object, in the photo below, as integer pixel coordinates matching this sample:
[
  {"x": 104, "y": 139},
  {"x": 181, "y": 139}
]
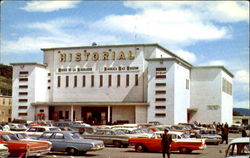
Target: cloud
[
  {"x": 49, "y": 6},
  {"x": 241, "y": 104},
  {"x": 215, "y": 63},
  {"x": 188, "y": 56},
  {"x": 242, "y": 76}
]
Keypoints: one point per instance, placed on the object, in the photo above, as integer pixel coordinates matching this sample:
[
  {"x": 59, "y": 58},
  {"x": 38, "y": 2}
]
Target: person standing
[{"x": 165, "y": 143}]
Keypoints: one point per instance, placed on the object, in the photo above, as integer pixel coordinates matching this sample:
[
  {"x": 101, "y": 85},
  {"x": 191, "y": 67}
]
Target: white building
[{"x": 120, "y": 83}]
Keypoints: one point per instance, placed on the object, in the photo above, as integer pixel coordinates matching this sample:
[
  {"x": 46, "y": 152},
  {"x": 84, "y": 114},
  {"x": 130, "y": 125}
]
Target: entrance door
[{"x": 95, "y": 115}]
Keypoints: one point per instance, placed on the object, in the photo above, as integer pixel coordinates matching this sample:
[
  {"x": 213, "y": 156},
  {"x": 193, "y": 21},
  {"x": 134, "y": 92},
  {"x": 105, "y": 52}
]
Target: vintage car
[
  {"x": 238, "y": 148},
  {"x": 4, "y": 151},
  {"x": 134, "y": 132},
  {"x": 181, "y": 142},
  {"x": 18, "y": 148},
  {"x": 17, "y": 127},
  {"x": 210, "y": 135},
  {"x": 36, "y": 131},
  {"x": 70, "y": 142},
  {"x": 110, "y": 137}
]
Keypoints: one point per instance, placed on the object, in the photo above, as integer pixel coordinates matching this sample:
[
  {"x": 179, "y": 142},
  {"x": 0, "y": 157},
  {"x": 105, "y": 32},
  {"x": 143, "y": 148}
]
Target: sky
[{"x": 204, "y": 33}]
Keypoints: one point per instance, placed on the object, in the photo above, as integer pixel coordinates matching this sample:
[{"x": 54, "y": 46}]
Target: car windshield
[
  {"x": 119, "y": 132},
  {"x": 8, "y": 137},
  {"x": 21, "y": 126},
  {"x": 185, "y": 136},
  {"x": 75, "y": 136},
  {"x": 22, "y": 135},
  {"x": 54, "y": 129}
]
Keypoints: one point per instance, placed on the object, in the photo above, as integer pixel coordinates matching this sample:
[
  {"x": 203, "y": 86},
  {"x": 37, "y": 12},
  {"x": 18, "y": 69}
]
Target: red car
[
  {"x": 180, "y": 142},
  {"x": 18, "y": 148}
]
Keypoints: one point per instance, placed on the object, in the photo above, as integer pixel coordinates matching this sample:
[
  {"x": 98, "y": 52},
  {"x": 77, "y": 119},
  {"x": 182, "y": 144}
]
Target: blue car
[{"x": 71, "y": 142}]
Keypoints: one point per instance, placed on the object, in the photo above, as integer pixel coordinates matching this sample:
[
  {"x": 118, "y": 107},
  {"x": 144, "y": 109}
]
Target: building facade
[
  {"x": 5, "y": 108},
  {"x": 120, "y": 83}
]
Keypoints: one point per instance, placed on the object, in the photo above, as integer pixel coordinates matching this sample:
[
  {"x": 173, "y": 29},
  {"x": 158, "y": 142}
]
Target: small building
[
  {"x": 5, "y": 108},
  {"x": 134, "y": 83}
]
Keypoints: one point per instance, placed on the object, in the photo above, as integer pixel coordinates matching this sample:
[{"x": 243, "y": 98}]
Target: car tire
[
  {"x": 117, "y": 143},
  {"x": 72, "y": 151},
  {"x": 185, "y": 150},
  {"x": 139, "y": 148},
  {"x": 83, "y": 152}
]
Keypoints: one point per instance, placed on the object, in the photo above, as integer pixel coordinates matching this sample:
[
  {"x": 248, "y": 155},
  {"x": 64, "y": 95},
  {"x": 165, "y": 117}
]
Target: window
[
  {"x": 160, "y": 99},
  {"x": 83, "y": 80},
  {"x": 58, "y": 136},
  {"x": 41, "y": 110},
  {"x": 23, "y": 79},
  {"x": 66, "y": 115},
  {"x": 118, "y": 80},
  {"x": 67, "y": 81},
  {"x": 23, "y": 86},
  {"x": 49, "y": 74},
  {"x": 110, "y": 80},
  {"x": 75, "y": 81},
  {"x": 136, "y": 80},
  {"x": 226, "y": 86},
  {"x": 46, "y": 135},
  {"x": 48, "y": 87},
  {"x": 23, "y": 93},
  {"x": 160, "y": 92},
  {"x": 23, "y": 100},
  {"x": 160, "y": 69},
  {"x": 58, "y": 81},
  {"x": 49, "y": 81},
  {"x": 127, "y": 80},
  {"x": 22, "y": 107},
  {"x": 32, "y": 129},
  {"x": 160, "y": 107},
  {"x": 22, "y": 114},
  {"x": 160, "y": 84},
  {"x": 92, "y": 81},
  {"x": 160, "y": 76},
  {"x": 40, "y": 129},
  {"x": 23, "y": 72},
  {"x": 60, "y": 115},
  {"x": 101, "y": 80},
  {"x": 187, "y": 84},
  {"x": 160, "y": 114}
]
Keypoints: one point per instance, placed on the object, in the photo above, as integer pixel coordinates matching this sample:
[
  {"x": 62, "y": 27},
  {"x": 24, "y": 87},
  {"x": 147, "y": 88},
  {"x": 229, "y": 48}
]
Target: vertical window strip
[
  {"x": 127, "y": 80},
  {"x": 83, "y": 80},
  {"x": 92, "y": 81},
  {"x": 136, "y": 80},
  {"x": 67, "y": 81},
  {"x": 110, "y": 80},
  {"x": 75, "y": 81},
  {"x": 118, "y": 80},
  {"x": 101, "y": 80},
  {"x": 58, "y": 81}
]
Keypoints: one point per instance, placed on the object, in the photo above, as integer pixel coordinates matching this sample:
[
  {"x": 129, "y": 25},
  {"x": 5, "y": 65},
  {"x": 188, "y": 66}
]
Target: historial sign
[{"x": 94, "y": 56}]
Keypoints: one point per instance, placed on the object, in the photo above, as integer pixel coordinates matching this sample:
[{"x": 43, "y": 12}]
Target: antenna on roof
[{"x": 94, "y": 44}]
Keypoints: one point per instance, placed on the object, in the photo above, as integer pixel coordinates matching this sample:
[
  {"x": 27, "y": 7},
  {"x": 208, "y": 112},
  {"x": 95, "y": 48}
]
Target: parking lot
[{"x": 212, "y": 151}]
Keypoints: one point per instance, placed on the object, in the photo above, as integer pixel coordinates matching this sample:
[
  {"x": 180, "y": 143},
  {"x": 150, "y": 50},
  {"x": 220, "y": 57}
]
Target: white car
[
  {"x": 238, "y": 148},
  {"x": 37, "y": 131},
  {"x": 4, "y": 151}
]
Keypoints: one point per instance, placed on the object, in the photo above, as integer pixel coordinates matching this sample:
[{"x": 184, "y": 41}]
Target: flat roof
[
  {"x": 218, "y": 67},
  {"x": 33, "y": 63}
]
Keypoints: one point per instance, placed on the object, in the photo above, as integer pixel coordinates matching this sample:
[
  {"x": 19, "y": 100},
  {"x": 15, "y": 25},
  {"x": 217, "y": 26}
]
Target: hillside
[
  {"x": 242, "y": 111},
  {"x": 5, "y": 79}
]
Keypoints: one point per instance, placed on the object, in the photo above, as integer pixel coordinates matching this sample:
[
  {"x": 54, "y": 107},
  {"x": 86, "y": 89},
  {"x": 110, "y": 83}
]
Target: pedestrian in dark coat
[{"x": 165, "y": 143}]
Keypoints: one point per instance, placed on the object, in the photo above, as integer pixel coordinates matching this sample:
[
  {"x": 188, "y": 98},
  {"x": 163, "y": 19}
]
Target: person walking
[{"x": 165, "y": 143}]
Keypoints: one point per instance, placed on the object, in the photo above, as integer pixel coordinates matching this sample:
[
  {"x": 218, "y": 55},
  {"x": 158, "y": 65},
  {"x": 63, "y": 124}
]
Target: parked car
[
  {"x": 181, "y": 142},
  {"x": 110, "y": 137},
  {"x": 18, "y": 148},
  {"x": 238, "y": 148},
  {"x": 36, "y": 131},
  {"x": 4, "y": 151},
  {"x": 134, "y": 132},
  {"x": 70, "y": 142},
  {"x": 210, "y": 135},
  {"x": 17, "y": 127}
]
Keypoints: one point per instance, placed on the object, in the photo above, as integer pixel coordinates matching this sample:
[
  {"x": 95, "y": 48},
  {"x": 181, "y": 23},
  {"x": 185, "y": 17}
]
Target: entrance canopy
[{"x": 88, "y": 104}]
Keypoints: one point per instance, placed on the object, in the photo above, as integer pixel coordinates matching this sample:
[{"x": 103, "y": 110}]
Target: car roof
[
  {"x": 169, "y": 132},
  {"x": 240, "y": 140}
]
